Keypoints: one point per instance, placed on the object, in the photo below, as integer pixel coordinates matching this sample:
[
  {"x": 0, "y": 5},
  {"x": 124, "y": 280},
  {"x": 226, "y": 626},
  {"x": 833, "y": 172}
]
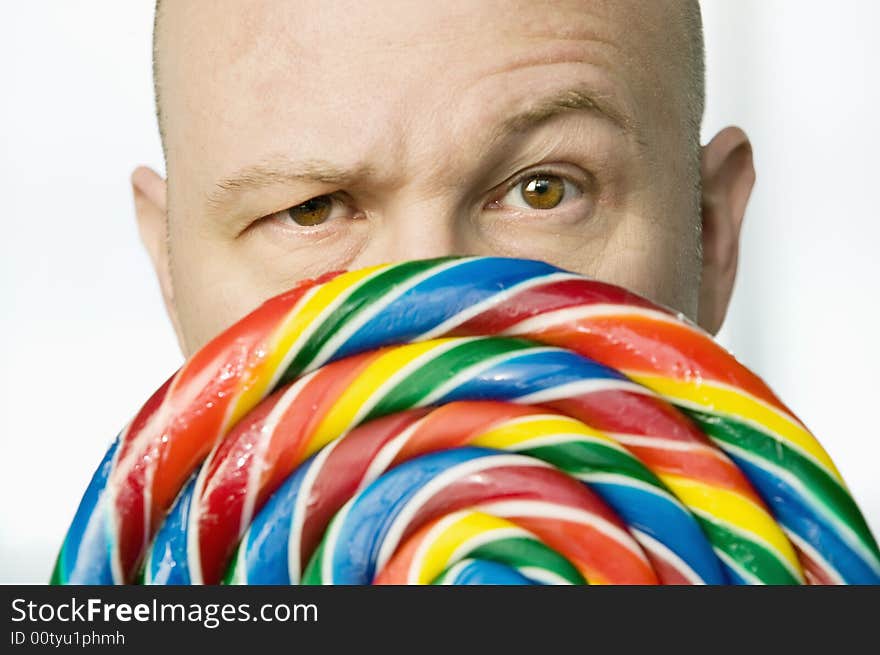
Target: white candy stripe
[
  {"x": 239, "y": 565},
  {"x": 300, "y": 511},
  {"x": 109, "y": 510},
  {"x": 660, "y": 551},
  {"x": 331, "y": 540},
  {"x": 373, "y": 308},
  {"x": 193, "y": 552},
  {"x": 148, "y": 569},
  {"x": 743, "y": 573},
  {"x": 580, "y": 388},
  {"x": 565, "y": 438},
  {"x": 494, "y": 300},
  {"x": 659, "y": 443},
  {"x": 543, "y": 575},
  {"x": 544, "y": 510},
  {"x": 267, "y": 434},
  {"x": 432, "y": 487},
  {"x": 386, "y": 455},
  {"x": 466, "y": 375},
  {"x": 633, "y": 483},
  {"x": 435, "y": 531},
  {"x": 568, "y": 316},
  {"x": 451, "y": 575},
  {"x": 814, "y": 555}
]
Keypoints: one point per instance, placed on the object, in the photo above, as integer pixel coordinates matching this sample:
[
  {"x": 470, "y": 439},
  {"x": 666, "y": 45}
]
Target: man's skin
[{"x": 557, "y": 130}]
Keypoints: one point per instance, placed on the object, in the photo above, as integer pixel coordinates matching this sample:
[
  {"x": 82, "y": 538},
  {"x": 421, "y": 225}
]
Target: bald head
[{"x": 680, "y": 26}]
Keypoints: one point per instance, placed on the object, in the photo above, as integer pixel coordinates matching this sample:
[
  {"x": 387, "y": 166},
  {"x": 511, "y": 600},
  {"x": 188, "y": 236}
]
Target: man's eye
[
  {"x": 540, "y": 191},
  {"x": 311, "y": 212}
]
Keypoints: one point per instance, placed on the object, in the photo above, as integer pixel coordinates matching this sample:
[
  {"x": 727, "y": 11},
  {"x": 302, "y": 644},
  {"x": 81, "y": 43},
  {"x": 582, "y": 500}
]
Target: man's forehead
[
  {"x": 229, "y": 30},
  {"x": 234, "y": 70},
  {"x": 384, "y": 22}
]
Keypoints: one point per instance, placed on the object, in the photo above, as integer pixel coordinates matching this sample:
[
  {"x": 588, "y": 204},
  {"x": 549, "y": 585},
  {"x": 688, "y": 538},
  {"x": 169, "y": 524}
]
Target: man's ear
[
  {"x": 728, "y": 175},
  {"x": 150, "y": 204}
]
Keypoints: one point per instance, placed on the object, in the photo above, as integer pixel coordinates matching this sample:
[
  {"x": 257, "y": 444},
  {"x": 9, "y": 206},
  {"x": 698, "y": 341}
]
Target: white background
[{"x": 83, "y": 335}]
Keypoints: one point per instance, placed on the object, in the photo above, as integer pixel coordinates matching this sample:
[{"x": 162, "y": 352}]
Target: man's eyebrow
[
  {"x": 575, "y": 99},
  {"x": 281, "y": 171}
]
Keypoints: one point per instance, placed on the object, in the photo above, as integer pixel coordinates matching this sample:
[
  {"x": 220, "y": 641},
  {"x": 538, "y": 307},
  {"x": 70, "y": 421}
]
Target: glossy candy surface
[{"x": 465, "y": 420}]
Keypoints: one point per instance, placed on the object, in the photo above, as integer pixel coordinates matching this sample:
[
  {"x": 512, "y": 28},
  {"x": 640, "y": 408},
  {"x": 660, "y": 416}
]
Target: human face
[{"x": 401, "y": 130}]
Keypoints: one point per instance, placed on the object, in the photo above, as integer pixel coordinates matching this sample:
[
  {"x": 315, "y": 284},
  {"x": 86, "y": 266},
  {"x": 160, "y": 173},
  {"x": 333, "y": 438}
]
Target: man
[{"x": 313, "y": 135}]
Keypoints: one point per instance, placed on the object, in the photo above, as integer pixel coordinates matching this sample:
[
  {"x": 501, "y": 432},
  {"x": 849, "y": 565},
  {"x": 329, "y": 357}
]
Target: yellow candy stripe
[
  {"x": 723, "y": 505},
  {"x": 454, "y": 537},
  {"x": 734, "y": 509},
  {"x": 517, "y": 434},
  {"x": 709, "y": 396},
  {"x": 361, "y": 396},
  {"x": 304, "y": 316}
]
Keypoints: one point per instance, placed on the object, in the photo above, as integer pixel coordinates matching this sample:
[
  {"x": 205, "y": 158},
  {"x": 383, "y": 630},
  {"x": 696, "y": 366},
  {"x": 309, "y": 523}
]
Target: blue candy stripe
[
  {"x": 263, "y": 555},
  {"x": 85, "y": 557},
  {"x": 524, "y": 373},
  {"x": 439, "y": 297},
  {"x": 167, "y": 562},
  {"x": 794, "y": 512},
  {"x": 368, "y": 518},
  {"x": 482, "y": 572},
  {"x": 649, "y": 510}
]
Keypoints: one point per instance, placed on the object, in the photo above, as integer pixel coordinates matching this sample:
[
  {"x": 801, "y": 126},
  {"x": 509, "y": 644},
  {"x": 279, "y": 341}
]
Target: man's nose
[{"x": 418, "y": 231}]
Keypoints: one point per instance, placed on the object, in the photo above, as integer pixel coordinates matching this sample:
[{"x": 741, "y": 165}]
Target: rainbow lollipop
[{"x": 466, "y": 420}]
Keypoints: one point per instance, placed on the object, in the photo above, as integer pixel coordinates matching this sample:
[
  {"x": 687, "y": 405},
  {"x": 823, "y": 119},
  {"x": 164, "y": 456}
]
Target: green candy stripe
[
  {"x": 236, "y": 573},
  {"x": 744, "y": 553},
  {"x": 520, "y": 553},
  {"x": 580, "y": 457},
  {"x": 57, "y": 572},
  {"x": 751, "y": 556},
  {"x": 361, "y": 299},
  {"x": 438, "y": 369},
  {"x": 824, "y": 492},
  {"x": 312, "y": 575}
]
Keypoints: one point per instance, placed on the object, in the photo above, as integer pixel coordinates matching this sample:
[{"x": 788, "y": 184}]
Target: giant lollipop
[{"x": 465, "y": 420}]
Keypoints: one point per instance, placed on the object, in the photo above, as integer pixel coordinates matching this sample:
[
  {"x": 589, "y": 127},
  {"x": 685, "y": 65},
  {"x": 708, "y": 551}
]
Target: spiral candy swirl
[{"x": 465, "y": 420}]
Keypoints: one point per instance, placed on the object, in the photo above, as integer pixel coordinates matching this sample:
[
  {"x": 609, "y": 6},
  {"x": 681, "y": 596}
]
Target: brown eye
[
  {"x": 542, "y": 191},
  {"x": 312, "y": 212}
]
